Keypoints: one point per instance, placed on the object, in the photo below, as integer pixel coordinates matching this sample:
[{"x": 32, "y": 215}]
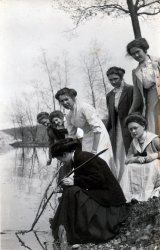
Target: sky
[{"x": 28, "y": 27}]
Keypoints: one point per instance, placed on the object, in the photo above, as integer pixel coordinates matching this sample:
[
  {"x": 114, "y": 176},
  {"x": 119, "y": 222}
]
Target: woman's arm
[
  {"x": 96, "y": 139},
  {"x": 155, "y": 155},
  {"x": 137, "y": 104},
  {"x": 72, "y": 130},
  {"x": 156, "y": 142},
  {"x": 130, "y": 155},
  {"x": 95, "y": 123},
  {"x": 131, "y": 158},
  {"x": 108, "y": 124},
  {"x": 158, "y": 79},
  {"x": 135, "y": 159}
]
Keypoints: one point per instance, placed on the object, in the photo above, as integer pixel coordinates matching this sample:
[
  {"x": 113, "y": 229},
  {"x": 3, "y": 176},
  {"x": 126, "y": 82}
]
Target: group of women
[{"x": 94, "y": 203}]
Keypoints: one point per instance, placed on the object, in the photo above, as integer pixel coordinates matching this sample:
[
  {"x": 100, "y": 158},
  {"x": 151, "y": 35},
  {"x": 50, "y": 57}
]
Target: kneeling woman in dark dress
[{"x": 92, "y": 204}]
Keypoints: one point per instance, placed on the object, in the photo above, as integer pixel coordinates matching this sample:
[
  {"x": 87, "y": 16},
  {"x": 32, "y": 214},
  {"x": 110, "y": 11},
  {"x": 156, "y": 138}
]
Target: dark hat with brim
[{"x": 64, "y": 146}]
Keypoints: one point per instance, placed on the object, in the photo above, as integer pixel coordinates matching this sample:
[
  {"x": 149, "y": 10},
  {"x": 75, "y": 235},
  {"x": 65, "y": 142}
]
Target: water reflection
[{"x": 24, "y": 179}]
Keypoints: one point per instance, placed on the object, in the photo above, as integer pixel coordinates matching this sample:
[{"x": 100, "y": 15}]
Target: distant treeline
[
  {"x": 28, "y": 134},
  {"x": 31, "y": 134}
]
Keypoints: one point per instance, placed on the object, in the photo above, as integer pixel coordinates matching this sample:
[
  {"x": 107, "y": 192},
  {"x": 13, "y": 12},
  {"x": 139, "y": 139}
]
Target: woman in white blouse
[
  {"x": 84, "y": 116},
  {"x": 146, "y": 81},
  {"x": 141, "y": 177}
]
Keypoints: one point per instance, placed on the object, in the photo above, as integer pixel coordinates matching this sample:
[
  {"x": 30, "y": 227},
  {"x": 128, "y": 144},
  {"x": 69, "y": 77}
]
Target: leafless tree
[
  {"x": 12, "y": 117},
  {"x": 94, "y": 63},
  {"x": 50, "y": 78},
  {"x": 19, "y": 116},
  {"x": 83, "y": 10},
  {"x": 58, "y": 72},
  {"x": 31, "y": 114},
  {"x": 90, "y": 74}
]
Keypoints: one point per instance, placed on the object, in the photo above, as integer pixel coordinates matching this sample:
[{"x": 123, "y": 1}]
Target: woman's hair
[
  {"x": 66, "y": 91},
  {"x": 42, "y": 115},
  {"x": 116, "y": 70},
  {"x": 64, "y": 146},
  {"x": 139, "y": 43},
  {"x": 138, "y": 118},
  {"x": 56, "y": 113}
]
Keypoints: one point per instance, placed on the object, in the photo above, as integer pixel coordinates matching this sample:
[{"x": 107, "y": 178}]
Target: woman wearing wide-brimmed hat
[{"x": 92, "y": 204}]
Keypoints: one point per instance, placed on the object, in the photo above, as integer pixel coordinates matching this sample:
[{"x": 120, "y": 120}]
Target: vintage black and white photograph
[{"x": 79, "y": 124}]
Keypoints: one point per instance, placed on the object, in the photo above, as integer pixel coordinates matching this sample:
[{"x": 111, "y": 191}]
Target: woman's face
[
  {"x": 57, "y": 121},
  {"x": 136, "y": 129},
  {"x": 138, "y": 54},
  {"x": 44, "y": 121},
  {"x": 66, "y": 101},
  {"x": 115, "y": 80},
  {"x": 66, "y": 158}
]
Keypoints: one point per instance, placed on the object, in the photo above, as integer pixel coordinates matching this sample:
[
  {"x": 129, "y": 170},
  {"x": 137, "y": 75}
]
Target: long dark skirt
[{"x": 84, "y": 219}]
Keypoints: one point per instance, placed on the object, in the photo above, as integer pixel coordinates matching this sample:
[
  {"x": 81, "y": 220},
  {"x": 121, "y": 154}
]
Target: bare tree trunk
[
  {"x": 21, "y": 129},
  {"x": 32, "y": 128},
  {"x": 65, "y": 73},
  {"x": 103, "y": 78},
  {"x": 93, "y": 98},
  {"x": 14, "y": 127},
  {"x": 134, "y": 19},
  {"x": 91, "y": 81},
  {"x": 50, "y": 80}
]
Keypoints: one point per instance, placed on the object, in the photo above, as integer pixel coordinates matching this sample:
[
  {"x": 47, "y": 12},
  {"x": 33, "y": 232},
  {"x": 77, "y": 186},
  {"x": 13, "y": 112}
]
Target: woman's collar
[
  {"x": 143, "y": 138},
  {"x": 73, "y": 155},
  {"x": 146, "y": 61}
]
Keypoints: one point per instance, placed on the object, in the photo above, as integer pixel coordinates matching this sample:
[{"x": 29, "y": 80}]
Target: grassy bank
[{"x": 141, "y": 229}]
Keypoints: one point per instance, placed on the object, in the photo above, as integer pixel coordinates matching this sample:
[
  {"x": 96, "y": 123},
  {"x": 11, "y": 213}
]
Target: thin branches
[
  {"x": 81, "y": 11},
  {"x": 149, "y": 13},
  {"x": 85, "y": 12}
]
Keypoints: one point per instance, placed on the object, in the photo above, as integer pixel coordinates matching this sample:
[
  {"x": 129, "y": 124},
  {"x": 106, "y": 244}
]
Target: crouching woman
[{"x": 92, "y": 205}]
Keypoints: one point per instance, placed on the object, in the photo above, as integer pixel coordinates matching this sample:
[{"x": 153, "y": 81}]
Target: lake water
[{"x": 24, "y": 178}]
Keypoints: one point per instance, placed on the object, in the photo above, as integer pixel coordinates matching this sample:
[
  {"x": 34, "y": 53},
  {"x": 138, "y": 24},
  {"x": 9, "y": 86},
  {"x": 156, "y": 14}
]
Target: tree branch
[
  {"x": 136, "y": 4},
  {"x": 148, "y": 13},
  {"x": 84, "y": 11},
  {"x": 147, "y": 4}
]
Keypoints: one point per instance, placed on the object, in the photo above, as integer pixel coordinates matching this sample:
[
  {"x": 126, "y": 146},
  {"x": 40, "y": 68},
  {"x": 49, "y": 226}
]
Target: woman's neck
[
  {"x": 142, "y": 138},
  {"x": 121, "y": 86},
  {"x": 145, "y": 59},
  {"x": 72, "y": 108}
]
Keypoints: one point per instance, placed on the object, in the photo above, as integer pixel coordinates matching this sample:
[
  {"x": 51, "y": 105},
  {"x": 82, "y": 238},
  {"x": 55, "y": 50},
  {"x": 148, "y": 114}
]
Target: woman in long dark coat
[
  {"x": 92, "y": 205},
  {"x": 119, "y": 101}
]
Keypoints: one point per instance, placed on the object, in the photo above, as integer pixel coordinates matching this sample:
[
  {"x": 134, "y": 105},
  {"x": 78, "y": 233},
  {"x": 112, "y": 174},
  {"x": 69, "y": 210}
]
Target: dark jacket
[
  {"x": 55, "y": 135},
  {"x": 124, "y": 105},
  {"x": 97, "y": 180}
]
